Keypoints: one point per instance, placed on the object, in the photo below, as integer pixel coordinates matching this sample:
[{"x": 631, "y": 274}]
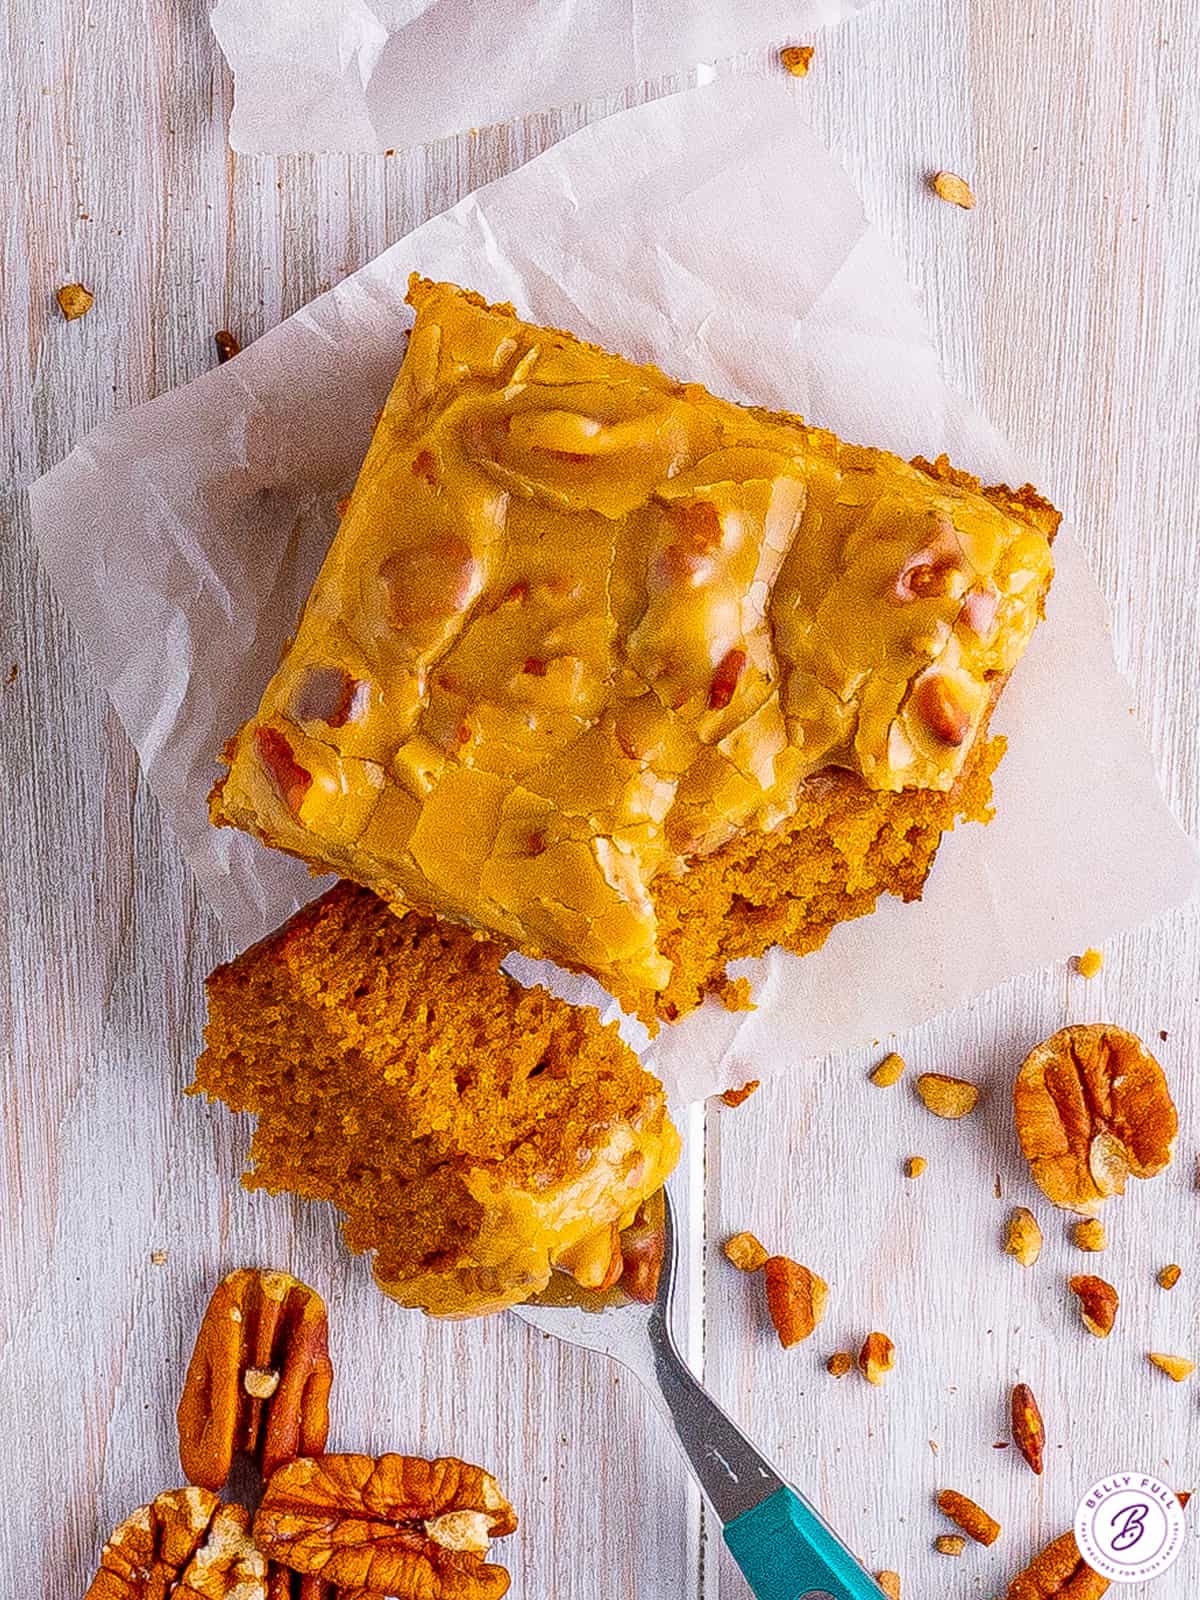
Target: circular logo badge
[{"x": 1130, "y": 1527}]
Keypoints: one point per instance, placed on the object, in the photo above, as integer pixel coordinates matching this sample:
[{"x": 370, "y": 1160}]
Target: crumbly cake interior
[
  {"x": 469, "y": 1129},
  {"x": 587, "y": 632},
  {"x": 844, "y": 846}
]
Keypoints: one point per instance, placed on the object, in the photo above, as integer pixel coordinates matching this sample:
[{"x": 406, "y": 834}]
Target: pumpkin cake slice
[
  {"x": 630, "y": 676},
  {"x": 474, "y": 1133}
]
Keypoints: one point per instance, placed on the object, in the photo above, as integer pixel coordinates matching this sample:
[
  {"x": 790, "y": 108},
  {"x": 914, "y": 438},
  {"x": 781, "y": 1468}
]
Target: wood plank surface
[{"x": 1066, "y": 305}]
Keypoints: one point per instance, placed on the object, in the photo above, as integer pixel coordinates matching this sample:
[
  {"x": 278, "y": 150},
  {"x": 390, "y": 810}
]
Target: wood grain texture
[{"x": 1065, "y": 304}]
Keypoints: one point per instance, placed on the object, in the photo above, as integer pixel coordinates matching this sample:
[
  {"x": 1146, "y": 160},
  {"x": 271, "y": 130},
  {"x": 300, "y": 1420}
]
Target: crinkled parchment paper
[
  {"x": 373, "y": 74},
  {"x": 710, "y": 232}
]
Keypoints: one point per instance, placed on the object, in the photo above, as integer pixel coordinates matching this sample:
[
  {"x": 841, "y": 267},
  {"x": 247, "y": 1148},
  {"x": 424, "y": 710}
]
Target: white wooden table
[{"x": 1067, "y": 305}]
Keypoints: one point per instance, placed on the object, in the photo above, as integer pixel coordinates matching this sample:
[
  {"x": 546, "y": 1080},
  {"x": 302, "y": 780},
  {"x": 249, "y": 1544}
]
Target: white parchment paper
[
  {"x": 712, "y": 233},
  {"x": 373, "y": 74}
]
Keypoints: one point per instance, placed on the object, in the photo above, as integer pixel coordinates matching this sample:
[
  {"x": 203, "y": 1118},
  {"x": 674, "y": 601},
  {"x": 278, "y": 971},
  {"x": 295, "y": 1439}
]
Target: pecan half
[
  {"x": 185, "y": 1544},
  {"x": 971, "y": 1518},
  {"x": 259, "y": 1378},
  {"x": 1098, "y": 1302},
  {"x": 1028, "y": 1429},
  {"x": 1092, "y": 1108},
  {"x": 795, "y": 1299},
  {"x": 395, "y": 1525},
  {"x": 1058, "y": 1572}
]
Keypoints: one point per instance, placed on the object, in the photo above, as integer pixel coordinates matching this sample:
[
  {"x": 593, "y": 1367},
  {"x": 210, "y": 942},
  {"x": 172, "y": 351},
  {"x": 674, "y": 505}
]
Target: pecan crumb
[
  {"x": 839, "y": 1363},
  {"x": 1089, "y": 963},
  {"x": 737, "y": 1097},
  {"x": 889, "y": 1071},
  {"x": 158, "y": 1258},
  {"x": 1090, "y": 1235},
  {"x": 746, "y": 1253},
  {"x": 797, "y": 58},
  {"x": 1098, "y": 1302},
  {"x": 915, "y": 1166},
  {"x": 877, "y": 1357},
  {"x": 795, "y": 1299},
  {"x": 949, "y": 1544},
  {"x": 945, "y": 1096},
  {"x": 1177, "y": 1368},
  {"x": 949, "y": 186},
  {"x": 227, "y": 346},
  {"x": 1169, "y": 1276},
  {"x": 889, "y": 1582},
  {"x": 74, "y": 301},
  {"x": 1029, "y": 1431},
  {"x": 1023, "y": 1236},
  {"x": 971, "y": 1518}
]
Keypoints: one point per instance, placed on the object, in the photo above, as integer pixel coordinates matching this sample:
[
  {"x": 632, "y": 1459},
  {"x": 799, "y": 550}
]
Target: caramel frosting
[
  {"x": 523, "y": 1234},
  {"x": 582, "y": 624}
]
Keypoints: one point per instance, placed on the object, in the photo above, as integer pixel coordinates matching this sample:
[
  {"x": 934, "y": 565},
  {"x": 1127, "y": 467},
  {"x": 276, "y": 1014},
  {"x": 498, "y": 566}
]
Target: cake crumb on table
[{"x": 1089, "y": 963}]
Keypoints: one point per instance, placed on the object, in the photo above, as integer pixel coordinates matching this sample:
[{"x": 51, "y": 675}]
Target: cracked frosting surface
[{"x": 582, "y": 624}]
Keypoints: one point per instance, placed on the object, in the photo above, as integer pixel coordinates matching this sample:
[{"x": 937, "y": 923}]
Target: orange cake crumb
[{"x": 471, "y": 1131}]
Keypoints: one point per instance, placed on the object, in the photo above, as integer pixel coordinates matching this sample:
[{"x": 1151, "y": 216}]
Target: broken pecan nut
[
  {"x": 394, "y": 1525},
  {"x": 738, "y": 1097},
  {"x": 1028, "y": 1429},
  {"x": 1177, "y": 1368},
  {"x": 1092, "y": 1108},
  {"x": 184, "y": 1544},
  {"x": 259, "y": 1378},
  {"x": 949, "y": 186},
  {"x": 795, "y": 1299},
  {"x": 947, "y": 1097},
  {"x": 1168, "y": 1277},
  {"x": 968, "y": 1516},
  {"x": 889, "y": 1582},
  {"x": 1058, "y": 1572},
  {"x": 877, "y": 1357},
  {"x": 746, "y": 1253},
  {"x": 839, "y": 1363},
  {"x": 888, "y": 1071},
  {"x": 1023, "y": 1236},
  {"x": 949, "y": 1544},
  {"x": 1098, "y": 1302},
  {"x": 643, "y": 1245},
  {"x": 1089, "y": 1235}
]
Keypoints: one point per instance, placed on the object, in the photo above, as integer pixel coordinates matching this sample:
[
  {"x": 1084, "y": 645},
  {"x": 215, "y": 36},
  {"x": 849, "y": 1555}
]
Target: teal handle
[{"x": 786, "y": 1552}]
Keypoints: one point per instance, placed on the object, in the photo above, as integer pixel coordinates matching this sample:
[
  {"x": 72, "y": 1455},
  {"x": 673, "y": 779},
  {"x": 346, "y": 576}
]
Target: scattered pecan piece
[
  {"x": 746, "y": 1253},
  {"x": 1058, "y": 1572},
  {"x": 259, "y": 1378},
  {"x": 643, "y": 1245},
  {"x": 227, "y": 345},
  {"x": 725, "y": 679},
  {"x": 1089, "y": 963},
  {"x": 949, "y": 186},
  {"x": 839, "y": 1364},
  {"x": 1089, "y": 1235},
  {"x": 394, "y": 1525},
  {"x": 737, "y": 1097},
  {"x": 74, "y": 301},
  {"x": 945, "y": 1096},
  {"x": 1098, "y": 1302},
  {"x": 889, "y": 1071},
  {"x": 1177, "y": 1368},
  {"x": 1029, "y": 1431},
  {"x": 1023, "y": 1236},
  {"x": 185, "y": 1544},
  {"x": 795, "y": 1299},
  {"x": 949, "y": 1544},
  {"x": 938, "y": 701},
  {"x": 889, "y": 1582},
  {"x": 1169, "y": 1276},
  {"x": 915, "y": 1166},
  {"x": 1092, "y": 1107},
  {"x": 877, "y": 1357},
  {"x": 968, "y": 1516},
  {"x": 797, "y": 58}
]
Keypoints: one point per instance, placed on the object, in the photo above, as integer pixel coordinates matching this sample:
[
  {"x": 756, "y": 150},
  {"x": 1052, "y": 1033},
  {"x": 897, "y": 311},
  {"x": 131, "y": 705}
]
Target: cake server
[{"x": 784, "y": 1547}]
